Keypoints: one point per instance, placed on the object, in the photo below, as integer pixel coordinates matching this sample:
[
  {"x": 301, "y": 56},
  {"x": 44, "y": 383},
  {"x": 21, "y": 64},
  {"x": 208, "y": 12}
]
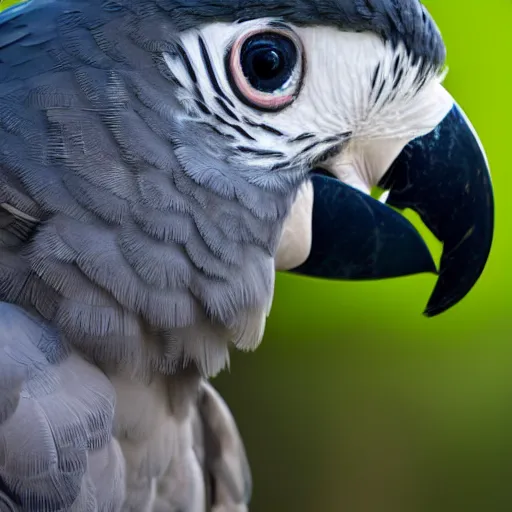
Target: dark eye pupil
[{"x": 268, "y": 61}]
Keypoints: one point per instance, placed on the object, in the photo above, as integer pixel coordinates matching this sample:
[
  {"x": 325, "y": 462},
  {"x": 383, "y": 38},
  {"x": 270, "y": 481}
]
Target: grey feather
[{"x": 56, "y": 413}]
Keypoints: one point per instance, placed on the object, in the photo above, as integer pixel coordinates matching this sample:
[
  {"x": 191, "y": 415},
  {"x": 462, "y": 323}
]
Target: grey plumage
[
  {"x": 56, "y": 417},
  {"x": 135, "y": 247},
  {"x": 130, "y": 217}
]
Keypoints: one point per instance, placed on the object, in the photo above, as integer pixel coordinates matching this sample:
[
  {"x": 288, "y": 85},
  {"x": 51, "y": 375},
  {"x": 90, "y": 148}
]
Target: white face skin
[{"x": 341, "y": 93}]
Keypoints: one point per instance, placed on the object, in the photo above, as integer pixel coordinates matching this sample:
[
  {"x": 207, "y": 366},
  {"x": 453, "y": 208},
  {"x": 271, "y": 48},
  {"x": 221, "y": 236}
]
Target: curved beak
[{"x": 444, "y": 177}]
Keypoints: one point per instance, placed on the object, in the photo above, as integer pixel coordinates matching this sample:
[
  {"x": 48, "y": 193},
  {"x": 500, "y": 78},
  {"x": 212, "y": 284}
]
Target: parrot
[{"x": 160, "y": 162}]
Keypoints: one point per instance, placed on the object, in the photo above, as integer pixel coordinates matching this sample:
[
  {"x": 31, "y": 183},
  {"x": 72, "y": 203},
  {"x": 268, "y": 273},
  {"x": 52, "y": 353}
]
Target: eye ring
[{"x": 277, "y": 55}]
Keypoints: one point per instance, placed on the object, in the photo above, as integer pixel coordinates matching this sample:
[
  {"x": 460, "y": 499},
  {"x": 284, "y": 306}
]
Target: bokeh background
[{"x": 356, "y": 402}]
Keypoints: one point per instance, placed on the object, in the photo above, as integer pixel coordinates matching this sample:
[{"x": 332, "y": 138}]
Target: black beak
[{"x": 444, "y": 177}]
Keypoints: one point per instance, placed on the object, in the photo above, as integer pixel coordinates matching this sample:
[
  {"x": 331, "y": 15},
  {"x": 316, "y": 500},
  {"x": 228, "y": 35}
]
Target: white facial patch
[{"x": 353, "y": 83}]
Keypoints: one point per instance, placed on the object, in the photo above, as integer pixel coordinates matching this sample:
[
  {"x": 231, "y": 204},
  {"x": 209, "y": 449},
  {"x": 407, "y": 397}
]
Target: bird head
[{"x": 324, "y": 101}]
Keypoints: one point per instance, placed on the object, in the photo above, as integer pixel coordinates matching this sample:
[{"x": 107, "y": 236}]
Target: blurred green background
[{"x": 355, "y": 401}]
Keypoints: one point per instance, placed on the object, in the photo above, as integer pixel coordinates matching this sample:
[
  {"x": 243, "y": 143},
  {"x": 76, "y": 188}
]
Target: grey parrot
[{"x": 160, "y": 160}]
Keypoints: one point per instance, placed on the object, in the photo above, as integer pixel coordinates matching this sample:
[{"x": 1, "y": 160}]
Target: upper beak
[{"x": 444, "y": 177}]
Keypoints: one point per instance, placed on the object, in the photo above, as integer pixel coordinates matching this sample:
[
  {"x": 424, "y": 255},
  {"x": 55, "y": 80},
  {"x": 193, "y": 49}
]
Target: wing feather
[
  {"x": 225, "y": 460},
  {"x": 56, "y": 414}
]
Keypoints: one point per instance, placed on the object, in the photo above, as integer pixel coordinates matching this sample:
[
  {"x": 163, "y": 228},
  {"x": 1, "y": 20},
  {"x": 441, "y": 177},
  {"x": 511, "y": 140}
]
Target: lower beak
[{"x": 444, "y": 177}]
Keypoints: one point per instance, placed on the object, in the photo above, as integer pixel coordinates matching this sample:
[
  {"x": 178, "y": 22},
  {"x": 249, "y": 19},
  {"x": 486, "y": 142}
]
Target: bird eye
[{"x": 265, "y": 69}]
